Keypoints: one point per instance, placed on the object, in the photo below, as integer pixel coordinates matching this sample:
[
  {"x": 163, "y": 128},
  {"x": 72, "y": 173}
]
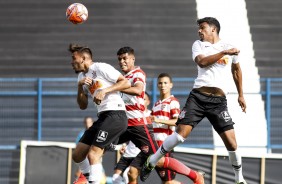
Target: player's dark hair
[
  {"x": 165, "y": 75},
  {"x": 124, "y": 50},
  {"x": 80, "y": 49},
  {"x": 146, "y": 93},
  {"x": 211, "y": 21}
]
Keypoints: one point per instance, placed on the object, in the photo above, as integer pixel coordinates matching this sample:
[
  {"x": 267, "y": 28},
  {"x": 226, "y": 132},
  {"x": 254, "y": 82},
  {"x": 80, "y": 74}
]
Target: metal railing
[{"x": 17, "y": 87}]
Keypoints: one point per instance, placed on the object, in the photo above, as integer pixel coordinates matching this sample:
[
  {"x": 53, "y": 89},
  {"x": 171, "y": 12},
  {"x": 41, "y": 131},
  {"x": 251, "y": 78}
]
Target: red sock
[{"x": 176, "y": 166}]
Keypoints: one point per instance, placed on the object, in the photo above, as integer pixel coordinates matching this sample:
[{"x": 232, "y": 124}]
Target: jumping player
[
  {"x": 215, "y": 58},
  {"x": 102, "y": 82}
]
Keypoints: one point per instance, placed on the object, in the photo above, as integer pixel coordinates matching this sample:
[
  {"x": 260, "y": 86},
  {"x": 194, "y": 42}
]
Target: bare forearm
[
  {"x": 119, "y": 86},
  {"x": 237, "y": 77},
  {"x": 82, "y": 99},
  {"x": 135, "y": 91},
  {"x": 209, "y": 60},
  {"x": 170, "y": 122}
]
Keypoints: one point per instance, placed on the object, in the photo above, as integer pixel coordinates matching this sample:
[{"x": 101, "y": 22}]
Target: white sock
[
  {"x": 96, "y": 173},
  {"x": 236, "y": 162},
  {"x": 169, "y": 143},
  {"x": 84, "y": 166},
  {"x": 125, "y": 175},
  {"x": 117, "y": 179}
]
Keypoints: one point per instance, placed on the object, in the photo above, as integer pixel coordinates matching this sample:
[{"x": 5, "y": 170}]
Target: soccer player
[
  {"x": 129, "y": 153},
  {"x": 103, "y": 82},
  {"x": 140, "y": 130},
  {"x": 215, "y": 58},
  {"x": 164, "y": 116}
]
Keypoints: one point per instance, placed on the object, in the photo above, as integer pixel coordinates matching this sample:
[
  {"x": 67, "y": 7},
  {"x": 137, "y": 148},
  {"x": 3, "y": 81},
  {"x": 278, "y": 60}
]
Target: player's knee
[
  {"x": 184, "y": 131},
  {"x": 76, "y": 157},
  {"x": 179, "y": 137},
  {"x": 232, "y": 146},
  {"x": 132, "y": 174},
  {"x": 160, "y": 163}
]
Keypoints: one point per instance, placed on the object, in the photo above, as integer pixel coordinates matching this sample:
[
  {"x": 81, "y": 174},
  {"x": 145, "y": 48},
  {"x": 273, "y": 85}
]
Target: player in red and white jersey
[
  {"x": 165, "y": 111},
  {"x": 164, "y": 116},
  {"x": 140, "y": 130},
  {"x": 134, "y": 104}
]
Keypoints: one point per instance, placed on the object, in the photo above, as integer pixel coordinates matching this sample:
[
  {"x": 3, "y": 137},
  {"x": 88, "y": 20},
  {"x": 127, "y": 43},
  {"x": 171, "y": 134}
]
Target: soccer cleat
[
  {"x": 146, "y": 170},
  {"x": 200, "y": 178},
  {"x": 81, "y": 180}
]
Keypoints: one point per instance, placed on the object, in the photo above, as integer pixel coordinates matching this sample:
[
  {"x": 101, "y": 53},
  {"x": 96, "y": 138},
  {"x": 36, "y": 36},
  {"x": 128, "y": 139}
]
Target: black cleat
[{"x": 146, "y": 170}]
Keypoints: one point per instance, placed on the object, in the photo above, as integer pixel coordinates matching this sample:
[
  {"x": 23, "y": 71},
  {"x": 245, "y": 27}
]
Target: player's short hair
[
  {"x": 124, "y": 50},
  {"x": 211, "y": 21},
  {"x": 80, "y": 49},
  {"x": 161, "y": 75}
]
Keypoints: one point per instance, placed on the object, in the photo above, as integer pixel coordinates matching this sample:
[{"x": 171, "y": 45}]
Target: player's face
[
  {"x": 205, "y": 31},
  {"x": 126, "y": 62},
  {"x": 164, "y": 85},
  {"x": 77, "y": 62}
]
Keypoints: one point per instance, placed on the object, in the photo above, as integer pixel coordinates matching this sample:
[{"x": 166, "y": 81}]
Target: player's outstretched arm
[
  {"x": 121, "y": 84},
  {"x": 237, "y": 77}
]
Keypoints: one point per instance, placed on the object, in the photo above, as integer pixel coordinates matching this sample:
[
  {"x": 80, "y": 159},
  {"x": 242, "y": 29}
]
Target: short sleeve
[
  {"x": 196, "y": 49},
  {"x": 174, "y": 108}
]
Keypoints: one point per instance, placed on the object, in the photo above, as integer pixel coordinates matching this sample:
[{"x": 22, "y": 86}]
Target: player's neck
[
  {"x": 164, "y": 96},
  {"x": 213, "y": 40}
]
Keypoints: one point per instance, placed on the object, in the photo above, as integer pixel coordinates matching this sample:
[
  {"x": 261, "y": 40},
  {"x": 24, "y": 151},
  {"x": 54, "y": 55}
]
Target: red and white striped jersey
[
  {"x": 135, "y": 109},
  {"x": 166, "y": 109}
]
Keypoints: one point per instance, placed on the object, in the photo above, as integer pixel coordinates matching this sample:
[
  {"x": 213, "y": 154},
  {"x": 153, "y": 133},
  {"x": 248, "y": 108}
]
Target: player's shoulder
[
  {"x": 228, "y": 44},
  {"x": 138, "y": 70},
  {"x": 173, "y": 98}
]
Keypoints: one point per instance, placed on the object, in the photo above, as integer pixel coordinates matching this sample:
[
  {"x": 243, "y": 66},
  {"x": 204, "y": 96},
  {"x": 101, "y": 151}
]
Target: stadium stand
[
  {"x": 264, "y": 17},
  {"x": 34, "y": 38},
  {"x": 266, "y": 35}
]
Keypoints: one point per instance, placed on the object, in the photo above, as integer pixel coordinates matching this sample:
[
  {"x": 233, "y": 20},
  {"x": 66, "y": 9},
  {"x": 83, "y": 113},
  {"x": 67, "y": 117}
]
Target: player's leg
[
  {"x": 223, "y": 124},
  {"x": 79, "y": 156},
  {"x": 96, "y": 169},
  {"x": 120, "y": 168},
  {"x": 108, "y": 128},
  {"x": 171, "y": 142},
  {"x": 190, "y": 116},
  {"x": 235, "y": 158},
  {"x": 132, "y": 175}
]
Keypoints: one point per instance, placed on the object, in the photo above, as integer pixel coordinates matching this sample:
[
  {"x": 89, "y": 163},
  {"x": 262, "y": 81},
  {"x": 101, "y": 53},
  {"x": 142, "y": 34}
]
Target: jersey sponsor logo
[
  {"x": 145, "y": 149},
  {"x": 95, "y": 85},
  {"x": 225, "y": 115},
  {"x": 102, "y": 136},
  {"x": 223, "y": 60},
  {"x": 182, "y": 114},
  {"x": 163, "y": 106}
]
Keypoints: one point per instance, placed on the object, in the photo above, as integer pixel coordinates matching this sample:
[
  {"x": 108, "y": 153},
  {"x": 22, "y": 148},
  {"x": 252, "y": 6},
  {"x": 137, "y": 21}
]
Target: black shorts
[
  {"x": 123, "y": 163},
  {"x": 143, "y": 138},
  {"x": 106, "y": 130},
  {"x": 200, "y": 105}
]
